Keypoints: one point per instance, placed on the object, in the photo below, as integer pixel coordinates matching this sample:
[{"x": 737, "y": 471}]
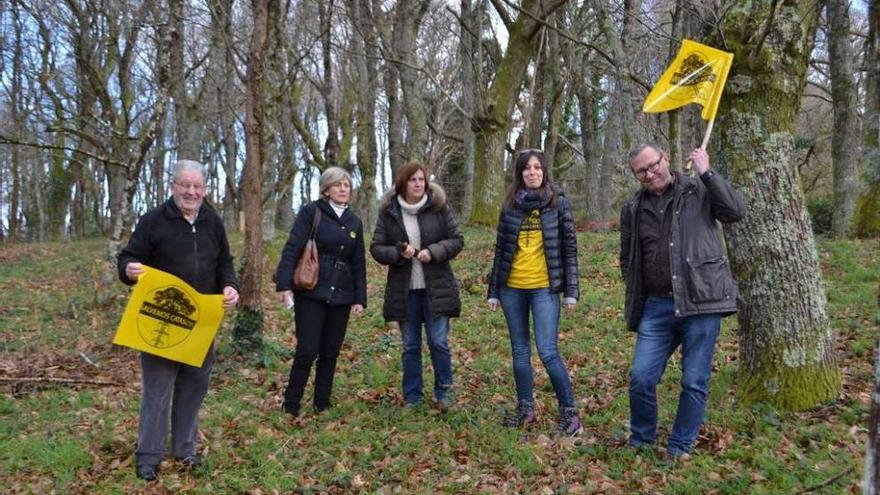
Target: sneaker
[
  {"x": 523, "y": 416},
  {"x": 147, "y": 472},
  {"x": 569, "y": 422}
]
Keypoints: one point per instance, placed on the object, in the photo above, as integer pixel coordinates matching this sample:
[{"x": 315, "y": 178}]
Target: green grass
[{"x": 80, "y": 439}]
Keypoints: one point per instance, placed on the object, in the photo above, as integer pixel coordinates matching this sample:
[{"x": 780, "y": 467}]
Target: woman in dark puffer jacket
[
  {"x": 417, "y": 236},
  {"x": 535, "y": 261}
]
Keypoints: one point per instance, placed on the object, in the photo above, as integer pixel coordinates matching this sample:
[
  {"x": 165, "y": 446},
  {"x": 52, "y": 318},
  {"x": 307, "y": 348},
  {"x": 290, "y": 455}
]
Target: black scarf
[{"x": 530, "y": 199}]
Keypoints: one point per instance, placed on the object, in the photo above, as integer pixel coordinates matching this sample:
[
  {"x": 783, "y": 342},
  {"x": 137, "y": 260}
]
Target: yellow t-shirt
[{"x": 529, "y": 269}]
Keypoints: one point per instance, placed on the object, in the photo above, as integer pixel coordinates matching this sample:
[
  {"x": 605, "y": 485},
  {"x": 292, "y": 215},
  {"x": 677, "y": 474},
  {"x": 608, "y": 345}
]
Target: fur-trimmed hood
[{"x": 435, "y": 192}]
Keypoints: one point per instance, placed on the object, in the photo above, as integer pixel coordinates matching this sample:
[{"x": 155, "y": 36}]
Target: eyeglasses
[
  {"x": 652, "y": 167},
  {"x": 194, "y": 187}
]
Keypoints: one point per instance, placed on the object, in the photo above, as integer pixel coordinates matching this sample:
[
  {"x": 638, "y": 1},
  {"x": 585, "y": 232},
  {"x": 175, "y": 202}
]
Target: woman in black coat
[
  {"x": 321, "y": 314},
  {"x": 417, "y": 236}
]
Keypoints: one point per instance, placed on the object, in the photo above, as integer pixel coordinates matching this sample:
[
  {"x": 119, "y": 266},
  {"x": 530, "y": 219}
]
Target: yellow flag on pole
[
  {"x": 166, "y": 317},
  {"x": 697, "y": 75}
]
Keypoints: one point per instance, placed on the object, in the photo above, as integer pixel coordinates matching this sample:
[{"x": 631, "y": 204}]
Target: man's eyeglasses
[
  {"x": 652, "y": 167},
  {"x": 194, "y": 187}
]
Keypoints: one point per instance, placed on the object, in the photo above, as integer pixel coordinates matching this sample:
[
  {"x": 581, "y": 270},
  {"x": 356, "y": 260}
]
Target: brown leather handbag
[{"x": 305, "y": 276}]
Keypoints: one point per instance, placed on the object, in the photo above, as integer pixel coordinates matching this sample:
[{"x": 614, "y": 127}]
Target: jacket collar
[
  {"x": 436, "y": 199},
  {"x": 170, "y": 210}
]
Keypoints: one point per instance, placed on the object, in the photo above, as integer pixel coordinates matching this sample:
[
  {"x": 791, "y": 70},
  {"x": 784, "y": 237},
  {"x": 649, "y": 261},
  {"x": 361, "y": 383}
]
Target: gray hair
[
  {"x": 635, "y": 150},
  {"x": 332, "y": 176},
  {"x": 191, "y": 165}
]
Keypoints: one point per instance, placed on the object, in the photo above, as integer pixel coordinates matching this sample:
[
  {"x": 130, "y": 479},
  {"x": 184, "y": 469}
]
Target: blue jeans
[
  {"x": 418, "y": 311},
  {"x": 544, "y": 308},
  {"x": 660, "y": 332}
]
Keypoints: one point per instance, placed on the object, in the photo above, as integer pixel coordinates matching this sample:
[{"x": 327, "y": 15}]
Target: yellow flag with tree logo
[
  {"x": 166, "y": 317},
  {"x": 697, "y": 75}
]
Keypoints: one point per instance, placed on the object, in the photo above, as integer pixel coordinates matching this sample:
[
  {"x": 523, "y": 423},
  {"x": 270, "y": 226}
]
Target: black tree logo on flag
[
  {"x": 171, "y": 315},
  {"x": 693, "y": 71}
]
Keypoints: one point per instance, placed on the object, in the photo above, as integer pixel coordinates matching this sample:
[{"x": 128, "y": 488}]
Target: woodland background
[{"x": 100, "y": 97}]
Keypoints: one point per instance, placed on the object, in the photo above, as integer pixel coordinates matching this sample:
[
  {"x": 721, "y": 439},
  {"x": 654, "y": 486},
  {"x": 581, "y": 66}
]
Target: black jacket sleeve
[
  {"x": 294, "y": 246},
  {"x": 569, "y": 249},
  {"x": 359, "y": 269},
  {"x": 383, "y": 248},
  {"x": 137, "y": 250},
  {"x": 726, "y": 204},
  {"x": 447, "y": 249},
  {"x": 625, "y": 237}
]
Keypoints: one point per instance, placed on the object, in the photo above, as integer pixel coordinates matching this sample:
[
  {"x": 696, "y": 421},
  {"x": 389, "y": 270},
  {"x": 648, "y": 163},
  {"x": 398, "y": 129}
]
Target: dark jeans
[
  {"x": 320, "y": 330},
  {"x": 660, "y": 332},
  {"x": 171, "y": 385},
  {"x": 418, "y": 311},
  {"x": 544, "y": 308}
]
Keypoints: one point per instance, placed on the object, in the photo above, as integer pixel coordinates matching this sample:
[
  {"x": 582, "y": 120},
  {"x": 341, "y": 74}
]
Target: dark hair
[
  {"x": 522, "y": 159},
  {"x": 407, "y": 171}
]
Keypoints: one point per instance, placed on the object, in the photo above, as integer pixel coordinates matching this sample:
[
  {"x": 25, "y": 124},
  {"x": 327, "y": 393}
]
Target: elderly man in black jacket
[
  {"x": 188, "y": 240},
  {"x": 678, "y": 286}
]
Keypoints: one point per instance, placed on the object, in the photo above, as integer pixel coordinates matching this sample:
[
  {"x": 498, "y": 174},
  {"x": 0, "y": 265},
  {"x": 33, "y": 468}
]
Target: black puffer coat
[
  {"x": 198, "y": 253},
  {"x": 439, "y": 235},
  {"x": 560, "y": 247},
  {"x": 342, "y": 275}
]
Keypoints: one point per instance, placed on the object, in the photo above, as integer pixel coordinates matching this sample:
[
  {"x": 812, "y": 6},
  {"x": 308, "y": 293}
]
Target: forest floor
[{"x": 69, "y": 398}]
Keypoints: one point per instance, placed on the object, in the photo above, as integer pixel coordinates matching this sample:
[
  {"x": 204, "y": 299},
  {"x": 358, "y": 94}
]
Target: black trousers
[{"x": 320, "y": 330}]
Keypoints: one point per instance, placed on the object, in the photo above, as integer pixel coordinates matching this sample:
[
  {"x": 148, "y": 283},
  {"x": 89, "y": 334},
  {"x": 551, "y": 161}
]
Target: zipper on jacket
[{"x": 195, "y": 252}]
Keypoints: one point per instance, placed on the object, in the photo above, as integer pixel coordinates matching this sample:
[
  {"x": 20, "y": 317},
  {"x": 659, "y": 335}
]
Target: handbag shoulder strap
[{"x": 316, "y": 220}]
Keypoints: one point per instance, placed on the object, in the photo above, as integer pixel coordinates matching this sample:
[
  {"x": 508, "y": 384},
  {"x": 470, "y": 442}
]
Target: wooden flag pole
[{"x": 706, "y": 135}]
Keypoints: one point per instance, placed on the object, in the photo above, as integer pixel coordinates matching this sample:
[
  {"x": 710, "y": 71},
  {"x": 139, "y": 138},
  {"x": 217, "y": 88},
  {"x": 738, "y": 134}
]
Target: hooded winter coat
[{"x": 439, "y": 235}]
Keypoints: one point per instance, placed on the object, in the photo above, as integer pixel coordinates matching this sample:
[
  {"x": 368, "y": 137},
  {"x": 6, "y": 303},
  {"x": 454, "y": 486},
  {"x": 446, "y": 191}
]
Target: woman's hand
[
  {"x": 357, "y": 309},
  {"x": 493, "y": 304},
  {"x": 407, "y": 251},
  {"x": 424, "y": 256},
  {"x": 286, "y": 298}
]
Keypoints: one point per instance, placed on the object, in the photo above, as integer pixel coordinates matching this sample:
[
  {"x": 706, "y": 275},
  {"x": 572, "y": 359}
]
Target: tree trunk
[
  {"x": 871, "y": 480},
  {"x": 786, "y": 340},
  {"x": 470, "y": 54},
  {"x": 249, "y": 320},
  {"x": 867, "y": 222},
  {"x": 187, "y": 120},
  {"x": 844, "y": 139},
  {"x": 365, "y": 49},
  {"x": 408, "y": 15},
  {"x": 331, "y": 144},
  {"x": 493, "y": 119},
  {"x": 16, "y": 95}
]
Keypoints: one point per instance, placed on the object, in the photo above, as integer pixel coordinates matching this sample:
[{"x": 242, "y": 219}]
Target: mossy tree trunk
[
  {"x": 492, "y": 121},
  {"x": 867, "y": 218},
  {"x": 844, "y": 138},
  {"x": 786, "y": 341}
]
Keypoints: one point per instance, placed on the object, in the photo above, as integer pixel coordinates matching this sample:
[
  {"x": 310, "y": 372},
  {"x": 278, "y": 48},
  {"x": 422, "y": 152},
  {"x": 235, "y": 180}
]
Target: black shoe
[
  {"x": 190, "y": 462},
  {"x": 147, "y": 472},
  {"x": 291, "y": 409}
]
